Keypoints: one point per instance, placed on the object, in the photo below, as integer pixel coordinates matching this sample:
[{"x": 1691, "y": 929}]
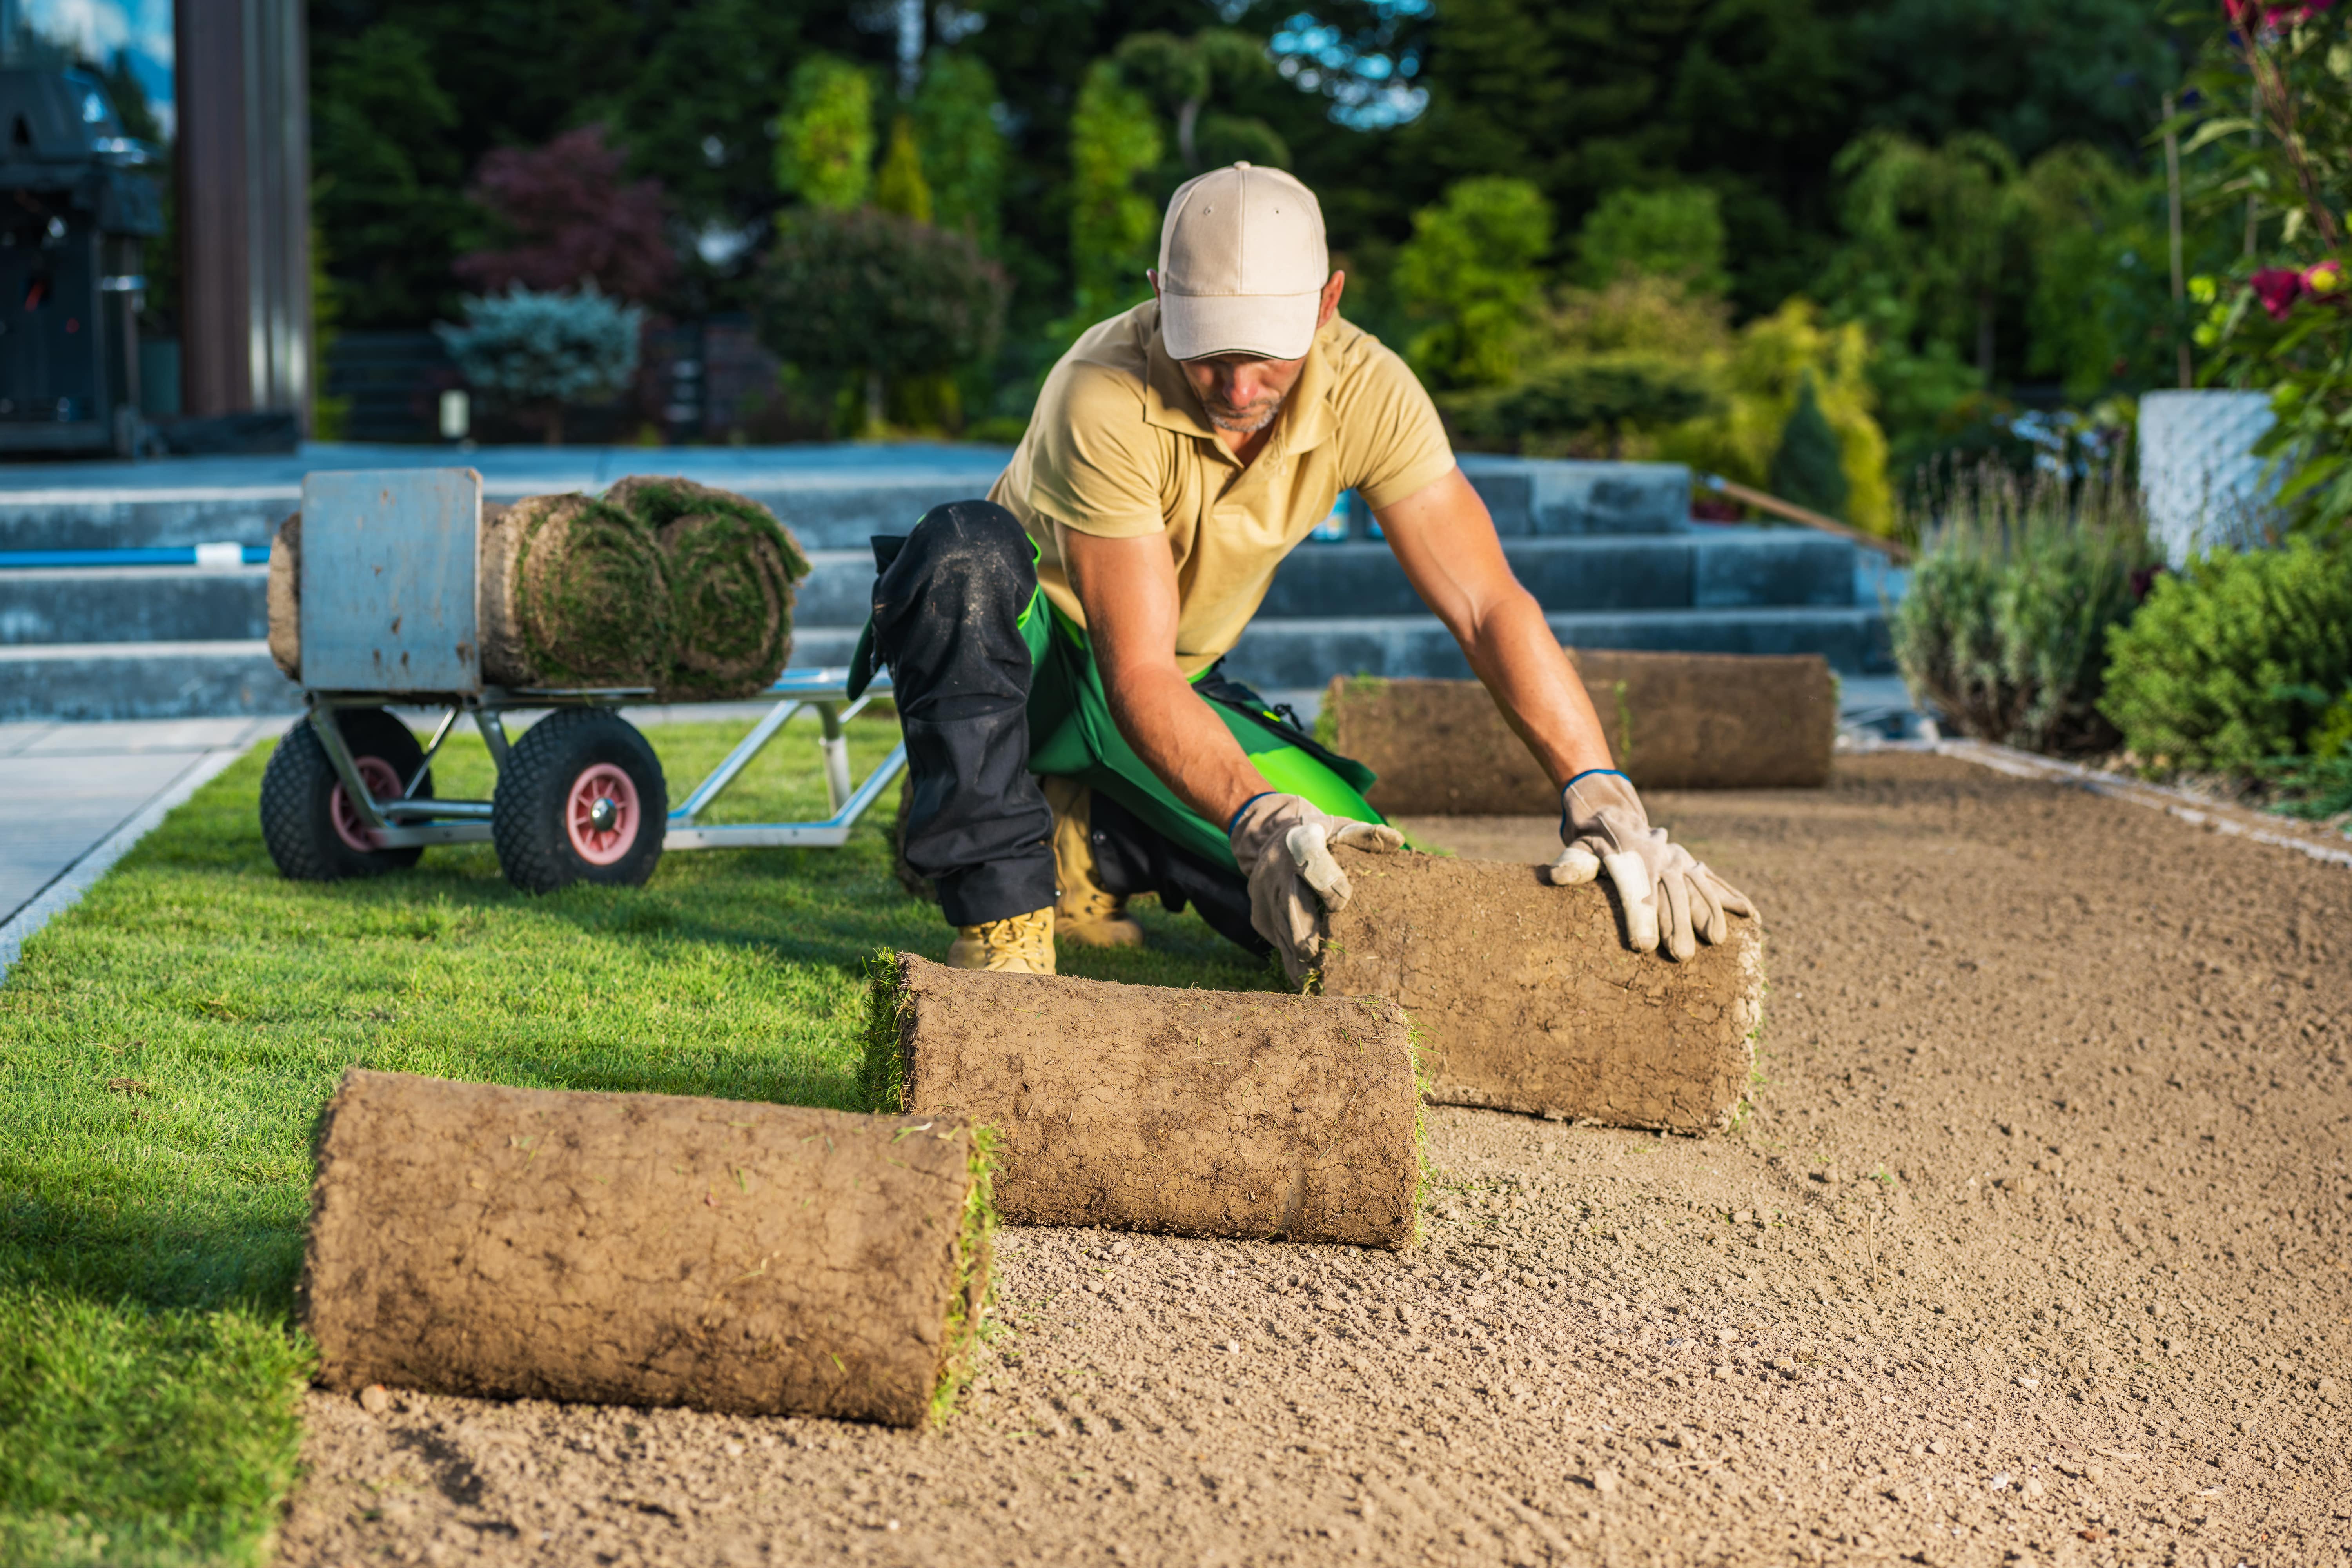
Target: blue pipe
[{"x": 157, "y": 555}]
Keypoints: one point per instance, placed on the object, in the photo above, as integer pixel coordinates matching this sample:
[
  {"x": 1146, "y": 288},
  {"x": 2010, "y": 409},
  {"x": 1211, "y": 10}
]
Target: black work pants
[{"x": 948, "y": 604}]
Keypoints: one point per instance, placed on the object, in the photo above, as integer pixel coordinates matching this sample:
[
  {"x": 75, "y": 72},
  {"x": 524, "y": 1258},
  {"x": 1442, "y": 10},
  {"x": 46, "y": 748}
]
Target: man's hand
[
  {"x": 1284, "y": 847},
  {"x": 1666, "y": 893}
]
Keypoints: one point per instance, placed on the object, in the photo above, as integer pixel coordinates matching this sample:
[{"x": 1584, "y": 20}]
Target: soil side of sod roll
[
  {"x": 1143, "y": 1108},
  {"x": 1526, "y": 998},
  {"x": 644, "y": 1249},
  {"x": 1674, "y": 720}
]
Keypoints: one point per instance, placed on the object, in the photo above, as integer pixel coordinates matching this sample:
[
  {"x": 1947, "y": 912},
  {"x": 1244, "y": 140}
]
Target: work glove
[
  {"x": 1667, "y": 895},
  {"x": 1284, "y": 847}
]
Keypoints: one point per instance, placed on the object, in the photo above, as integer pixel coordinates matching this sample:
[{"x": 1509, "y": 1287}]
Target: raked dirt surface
[{"x": 2033, "y": 1249}]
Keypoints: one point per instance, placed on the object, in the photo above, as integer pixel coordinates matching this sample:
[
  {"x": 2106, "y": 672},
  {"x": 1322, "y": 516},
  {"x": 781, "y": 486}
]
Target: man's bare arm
[
  {"x": 1445, "y": 541},
  {"x": 1128, "y": 589}
]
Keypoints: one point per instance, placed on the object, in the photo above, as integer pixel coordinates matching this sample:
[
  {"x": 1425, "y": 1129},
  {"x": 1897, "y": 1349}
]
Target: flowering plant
[{"x": 2275, "y": 103}]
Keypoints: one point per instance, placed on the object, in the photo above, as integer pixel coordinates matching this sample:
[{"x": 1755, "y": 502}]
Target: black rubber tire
[
  {"x": 535, "y": 850},
  {"x": 298, "y": 790}
]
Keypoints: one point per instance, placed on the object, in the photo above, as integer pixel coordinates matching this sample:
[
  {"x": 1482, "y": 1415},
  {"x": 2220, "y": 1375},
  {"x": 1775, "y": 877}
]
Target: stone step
[
  {"x": 1705, "y": 569},
  {"x": 1294, "y": 653},
  {"x": 1702, "y": 569},
  {"x": 209, "y": 679},
  {"x": 134, "y": 604},
  {"x": 834, "y": 498},
  {"x": 1537, "y": 496}
]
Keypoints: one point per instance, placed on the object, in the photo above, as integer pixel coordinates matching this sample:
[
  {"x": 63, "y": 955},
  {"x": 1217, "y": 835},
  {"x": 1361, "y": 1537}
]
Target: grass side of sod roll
[{"x": 166, "y": 1045}]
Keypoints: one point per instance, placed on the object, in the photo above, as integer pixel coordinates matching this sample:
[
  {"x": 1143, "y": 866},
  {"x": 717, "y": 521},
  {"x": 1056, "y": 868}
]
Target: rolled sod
[
  {"x": 1141, "y": 1108},
  {"x": 644, "y": 1249},
  {"x": 576, "y": 592},
  {"x": 1525, "y": 998},
  {"x": 730, "y": 567},
  {"x": 1674, "y": 720}
]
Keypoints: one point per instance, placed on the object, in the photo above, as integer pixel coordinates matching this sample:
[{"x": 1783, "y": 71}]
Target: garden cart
[{"x": 389, "y": 617}]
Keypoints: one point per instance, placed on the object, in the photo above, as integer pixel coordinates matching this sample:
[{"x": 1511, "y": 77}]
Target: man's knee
[
  {"x": 975, "y": 550},
  {"x": 947, "y": 611}
]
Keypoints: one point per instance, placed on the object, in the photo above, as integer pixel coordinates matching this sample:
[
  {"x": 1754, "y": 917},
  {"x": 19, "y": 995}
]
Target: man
[{"x": 1054, "y": 649}]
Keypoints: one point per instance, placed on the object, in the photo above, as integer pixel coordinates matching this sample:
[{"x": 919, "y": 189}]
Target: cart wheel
[
  {"x": 580, "y": 799},
  {"x": 309, "y": 822}
]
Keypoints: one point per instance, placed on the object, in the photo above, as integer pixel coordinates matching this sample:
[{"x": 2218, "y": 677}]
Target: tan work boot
[
  {"x": 1018, "y": 945},
  {"x": 1085, "y": 914}
]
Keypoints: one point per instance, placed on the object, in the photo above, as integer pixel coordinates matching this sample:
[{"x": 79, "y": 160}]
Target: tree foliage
[
  {"x": 2277, "y": 102},
  {"x": 963, "y": 152},
  {"x": 388, "y": 192},
  {"x": 1674, "y": 232},
  {"x": 1115, "y": 142},
  {"x": 541, "y": 350},
  {"x": 569, "y": 218},
  {"x": 824, "y": 138},
  {"x": 898, "y": 184},
  {"x": 877, "y": 296},
  {"x": 1469, "y": 274},
  {"x": 1807, "y": 465}
]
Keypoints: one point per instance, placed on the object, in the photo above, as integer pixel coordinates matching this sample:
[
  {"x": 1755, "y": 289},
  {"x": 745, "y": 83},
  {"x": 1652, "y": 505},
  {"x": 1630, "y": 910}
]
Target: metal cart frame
[
  {"x": 389, "y": 617},
  {"x": 406, "y": 822}
]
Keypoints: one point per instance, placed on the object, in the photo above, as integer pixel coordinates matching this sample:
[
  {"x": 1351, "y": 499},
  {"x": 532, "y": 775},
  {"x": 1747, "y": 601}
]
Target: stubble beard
[{"x": 1247, "y": 423}]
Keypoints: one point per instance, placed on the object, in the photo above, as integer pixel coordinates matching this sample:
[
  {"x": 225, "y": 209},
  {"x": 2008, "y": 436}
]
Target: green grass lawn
[{"x": 165, "y": 1045}]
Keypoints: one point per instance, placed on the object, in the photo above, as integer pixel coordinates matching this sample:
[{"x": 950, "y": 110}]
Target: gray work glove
[
  {"x": 1666, "y": 893},
  {"x": 1284, "y": 847}
]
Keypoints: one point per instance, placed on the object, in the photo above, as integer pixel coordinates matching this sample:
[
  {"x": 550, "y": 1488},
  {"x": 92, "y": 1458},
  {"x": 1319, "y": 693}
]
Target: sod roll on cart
[{"x": 399, "y": 586}]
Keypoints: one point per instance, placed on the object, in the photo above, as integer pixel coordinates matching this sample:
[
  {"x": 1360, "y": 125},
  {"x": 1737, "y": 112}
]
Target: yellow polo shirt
[{"x": 1119, "y": 448}]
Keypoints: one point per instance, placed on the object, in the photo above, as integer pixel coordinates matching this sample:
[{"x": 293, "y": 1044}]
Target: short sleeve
[
  {"x": 1095, "y": 466},
  {"x": 1394, "y": 445}
]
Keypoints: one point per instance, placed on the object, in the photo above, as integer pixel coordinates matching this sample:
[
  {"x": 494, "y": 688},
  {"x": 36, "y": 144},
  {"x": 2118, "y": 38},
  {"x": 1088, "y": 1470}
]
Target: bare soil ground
[{"x": 2033, "y": 1248}]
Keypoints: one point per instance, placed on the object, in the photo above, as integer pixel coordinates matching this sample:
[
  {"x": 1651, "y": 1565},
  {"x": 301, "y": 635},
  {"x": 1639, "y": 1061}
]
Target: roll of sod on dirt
[
  {"x": 1139, "y": 1108},
  {"x": 1524, "y": 997},
  {"x": 644, "y": 1249},
  {"x": 730, "y": 567},
  {"x": 1674, "y": 720}
]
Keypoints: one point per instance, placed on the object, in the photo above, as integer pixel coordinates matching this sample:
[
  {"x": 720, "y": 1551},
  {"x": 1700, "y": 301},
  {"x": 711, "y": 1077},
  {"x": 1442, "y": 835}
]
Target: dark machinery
[{"x": 76, "y": 202}]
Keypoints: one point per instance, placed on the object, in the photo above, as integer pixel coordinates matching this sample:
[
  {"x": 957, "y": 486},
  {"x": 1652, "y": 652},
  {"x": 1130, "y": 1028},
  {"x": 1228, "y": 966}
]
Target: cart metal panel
[{"x": 388, "y": 581}]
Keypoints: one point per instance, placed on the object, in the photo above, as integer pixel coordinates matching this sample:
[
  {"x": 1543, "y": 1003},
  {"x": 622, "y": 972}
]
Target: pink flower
[
  {"x": 2278, "y": 288},
  {"x": 2278, "y": 17},
  {"x": 2325, "y": 280}
]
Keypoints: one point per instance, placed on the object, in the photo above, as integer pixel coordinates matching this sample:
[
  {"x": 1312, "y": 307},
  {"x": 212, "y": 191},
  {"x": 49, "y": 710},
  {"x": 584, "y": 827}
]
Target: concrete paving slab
[
  {"x": 148, "y": 737},
  {"x": 61, "y": 807}
]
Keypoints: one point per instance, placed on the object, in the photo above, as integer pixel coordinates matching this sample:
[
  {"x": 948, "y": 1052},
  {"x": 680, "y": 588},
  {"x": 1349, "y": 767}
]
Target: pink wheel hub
[
  {"x": 383, "y": 782},
  {"x": 602, "y": 815}
]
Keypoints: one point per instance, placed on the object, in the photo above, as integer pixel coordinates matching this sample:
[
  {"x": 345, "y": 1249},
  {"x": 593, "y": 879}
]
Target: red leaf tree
[{"x": 572, "y": 218}]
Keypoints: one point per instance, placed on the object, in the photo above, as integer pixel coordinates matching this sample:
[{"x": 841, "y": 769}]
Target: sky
[{"x": 96, "y": 29}]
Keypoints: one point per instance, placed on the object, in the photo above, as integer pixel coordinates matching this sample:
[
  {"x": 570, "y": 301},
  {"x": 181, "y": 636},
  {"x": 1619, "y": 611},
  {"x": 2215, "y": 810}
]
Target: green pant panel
[{"x": 1072, "y": 735}]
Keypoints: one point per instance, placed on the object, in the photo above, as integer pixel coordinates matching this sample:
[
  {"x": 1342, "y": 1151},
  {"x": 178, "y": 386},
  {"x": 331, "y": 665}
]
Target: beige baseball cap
[{"x": 1241, "y": 264}]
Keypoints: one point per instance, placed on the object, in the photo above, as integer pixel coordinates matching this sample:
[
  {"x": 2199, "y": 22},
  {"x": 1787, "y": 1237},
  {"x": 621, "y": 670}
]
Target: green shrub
[
  {"x": 1806, "y": 469},
  {"x": 2202, "y": 679},
  {"x": 2005, "y": 624}
]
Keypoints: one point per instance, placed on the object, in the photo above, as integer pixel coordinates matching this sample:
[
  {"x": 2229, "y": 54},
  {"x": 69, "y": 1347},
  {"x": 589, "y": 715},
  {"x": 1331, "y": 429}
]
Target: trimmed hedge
[{"x": 2219, "y": 670}]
